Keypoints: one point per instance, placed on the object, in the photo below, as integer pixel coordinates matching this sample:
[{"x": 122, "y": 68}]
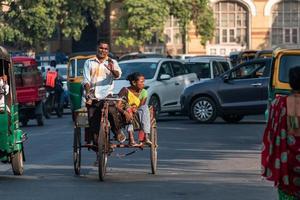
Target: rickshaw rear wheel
[
  {"x": 17, "y": 163},
  {"x": 153, "y": 151},
  {"x": 77, "y": 150},
  {"x": 102, "y": 153}
]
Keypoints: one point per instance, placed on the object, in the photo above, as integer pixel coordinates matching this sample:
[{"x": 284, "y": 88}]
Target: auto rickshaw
[
  {"x": 75, "y": 77},
  {"x": 264, "y": 54},
  {"x": 11, "y": 137},
  {"x": 31, "y": 93},
  {"x": 283, "y": 61}
]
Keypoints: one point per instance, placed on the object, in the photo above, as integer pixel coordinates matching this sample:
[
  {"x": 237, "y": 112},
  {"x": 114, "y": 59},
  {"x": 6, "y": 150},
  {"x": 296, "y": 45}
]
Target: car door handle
[
  {"x": 192, "y": 81},
  {"x": 176, "y": 83},
  {"x": 256, "y": 84}
]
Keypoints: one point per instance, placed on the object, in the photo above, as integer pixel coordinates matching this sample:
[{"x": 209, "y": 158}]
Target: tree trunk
[{"x": 183, "y": 41}]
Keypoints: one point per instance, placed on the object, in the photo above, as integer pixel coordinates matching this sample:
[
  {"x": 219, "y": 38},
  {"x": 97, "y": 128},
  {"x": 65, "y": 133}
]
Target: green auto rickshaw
[
  {"x": 75, "y": 77},
  {"x": 11, "y": 137}
]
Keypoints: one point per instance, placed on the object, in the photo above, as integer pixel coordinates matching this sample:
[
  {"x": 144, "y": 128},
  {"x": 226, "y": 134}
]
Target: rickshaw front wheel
[
  {"x": 17, "y": 163},
  {"x": 153, "y": 150},
  {"x": 102, "y": 153}
]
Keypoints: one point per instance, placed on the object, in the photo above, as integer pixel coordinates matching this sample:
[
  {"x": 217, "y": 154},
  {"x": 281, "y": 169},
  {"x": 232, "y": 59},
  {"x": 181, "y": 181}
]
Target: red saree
[{"x": 280, "y": 157}]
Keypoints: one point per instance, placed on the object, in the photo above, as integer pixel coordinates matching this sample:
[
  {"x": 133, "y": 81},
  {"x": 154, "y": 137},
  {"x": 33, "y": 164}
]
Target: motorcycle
[{"x": 53, "y": 103}]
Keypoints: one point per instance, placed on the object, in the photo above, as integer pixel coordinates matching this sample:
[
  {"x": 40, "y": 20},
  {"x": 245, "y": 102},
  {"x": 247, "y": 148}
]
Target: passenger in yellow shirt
[{"x": 137, "y": 112}]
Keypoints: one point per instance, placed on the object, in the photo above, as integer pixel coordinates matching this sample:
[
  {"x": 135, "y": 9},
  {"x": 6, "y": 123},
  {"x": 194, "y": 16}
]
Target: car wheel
[
  {"x": 154, "y": 102},
  {"x": 232, "y": 118},
  {"x": 204, "y": 110}
]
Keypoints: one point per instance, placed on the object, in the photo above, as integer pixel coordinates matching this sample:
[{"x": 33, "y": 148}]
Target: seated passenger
[
  {"x": 136, "y": 111},
  {"x": 4, "y": 90}
]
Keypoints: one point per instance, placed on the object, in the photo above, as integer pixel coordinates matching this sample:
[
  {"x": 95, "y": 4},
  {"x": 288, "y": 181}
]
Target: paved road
[{"x": 209, "y": 162}]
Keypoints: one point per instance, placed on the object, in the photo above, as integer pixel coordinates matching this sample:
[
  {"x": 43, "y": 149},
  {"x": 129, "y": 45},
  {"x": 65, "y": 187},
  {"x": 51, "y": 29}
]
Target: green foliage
[
  {"x": 32, "y": 23},
  {"x": 142, "y": 19}
]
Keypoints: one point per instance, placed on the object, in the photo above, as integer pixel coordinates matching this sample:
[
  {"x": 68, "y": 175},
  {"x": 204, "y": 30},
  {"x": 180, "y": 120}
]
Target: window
[
  {"x": 286, "y": 63},
  {"x": 225, "y": 66},
  {"x": 216, "y": 69},
  {"x": 202, "y": 69},
  {"x": 178, "y": 69},
  {"x": 172, "y": 33},
  {"x": 77, "y": 65},
  {"x": 165, "y": 69},
  {"x": 286, "y": 22},
  {"x": 231, "y": 23},
  {"x": 253, "y": 70}
]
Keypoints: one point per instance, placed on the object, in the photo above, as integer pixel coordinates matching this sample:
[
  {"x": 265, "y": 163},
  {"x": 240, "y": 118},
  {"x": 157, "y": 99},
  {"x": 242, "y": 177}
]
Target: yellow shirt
[{"x": 136, "y": 100}]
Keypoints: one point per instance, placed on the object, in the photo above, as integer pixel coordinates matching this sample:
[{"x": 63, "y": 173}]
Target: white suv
[
  {"x": 165, "y": 79},
  {"x": 208, "y": 67}
]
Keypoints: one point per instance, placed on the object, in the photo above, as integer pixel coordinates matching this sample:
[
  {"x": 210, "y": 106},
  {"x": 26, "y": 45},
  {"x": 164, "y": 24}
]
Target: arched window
[
  {"x": 286, "y": 22},
  {"x": 232, "y": 19}
]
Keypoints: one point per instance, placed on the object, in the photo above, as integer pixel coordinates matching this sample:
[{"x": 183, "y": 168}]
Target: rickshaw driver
[{"x": 98, "y": 81}]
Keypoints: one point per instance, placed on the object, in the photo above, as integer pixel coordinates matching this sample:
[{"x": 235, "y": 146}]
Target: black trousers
[{"x": 94, "y": 116}]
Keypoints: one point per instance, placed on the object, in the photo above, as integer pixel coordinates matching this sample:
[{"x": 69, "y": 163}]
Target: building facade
[
  {"x": 254, "y": 24},
  {"x": 240, "y": 24}
]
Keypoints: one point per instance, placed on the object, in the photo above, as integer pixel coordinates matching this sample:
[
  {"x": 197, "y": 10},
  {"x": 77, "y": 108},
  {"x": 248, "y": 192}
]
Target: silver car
[{"x": 165, "y": 79}]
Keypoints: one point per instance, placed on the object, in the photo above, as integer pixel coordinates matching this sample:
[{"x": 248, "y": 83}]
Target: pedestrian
[
  {"x": 169, "y": 54},
  {"x": 98, "y": 81},
  {"x": 280, "y": 156}
]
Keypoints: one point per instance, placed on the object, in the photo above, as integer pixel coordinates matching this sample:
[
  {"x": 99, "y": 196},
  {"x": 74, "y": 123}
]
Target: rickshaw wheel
[
  {"x": 17, "y": 163},
  {"x": 102, "y": 153},
  {"x": 153, "y": 150},
  {"x": 77, "y": 150}
]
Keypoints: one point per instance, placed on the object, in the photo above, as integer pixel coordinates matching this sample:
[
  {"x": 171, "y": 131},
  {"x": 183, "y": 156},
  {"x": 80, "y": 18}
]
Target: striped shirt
[{"x": 99, "y": 77}]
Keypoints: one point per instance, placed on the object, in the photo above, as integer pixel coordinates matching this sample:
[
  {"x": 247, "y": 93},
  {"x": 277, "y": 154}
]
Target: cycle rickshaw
[{"x": 106, "y": 144}]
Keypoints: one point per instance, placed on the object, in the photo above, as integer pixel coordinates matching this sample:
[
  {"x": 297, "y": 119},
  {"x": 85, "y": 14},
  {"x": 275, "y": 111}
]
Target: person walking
[
  {"x": 280, "y": 157},
  {"x": 98, "y": 82}
]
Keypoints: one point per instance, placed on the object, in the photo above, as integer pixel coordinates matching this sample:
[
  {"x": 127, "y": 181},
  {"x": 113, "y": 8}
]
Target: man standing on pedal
[{"x": 98, "y": 81}]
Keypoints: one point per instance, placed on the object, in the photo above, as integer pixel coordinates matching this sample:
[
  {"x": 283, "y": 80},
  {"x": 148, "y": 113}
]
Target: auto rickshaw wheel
[
  {"x": 77, "y": 150},
  {"x": 153, "y": 151},
  {"x": 40, "y": 121},
  {"x": 102, "y": 153},
  {"x": 17, "y": 163},
  {"x": 24, "y": 122}
]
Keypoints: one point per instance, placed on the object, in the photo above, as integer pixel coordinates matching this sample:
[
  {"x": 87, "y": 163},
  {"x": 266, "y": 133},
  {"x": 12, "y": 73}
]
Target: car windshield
[
  {"x": 79, "y": 71},
  {"x": 286, "y": 63},
  {"x": 148, "y": 69},
  {"x": 202, "y": 69},
  {"x": 62, "y": 71},
  {"x": 26, "y": 76}
]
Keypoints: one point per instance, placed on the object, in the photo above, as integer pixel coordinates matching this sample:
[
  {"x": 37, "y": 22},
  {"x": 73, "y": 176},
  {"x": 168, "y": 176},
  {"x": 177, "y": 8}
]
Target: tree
[
  {"x": 197, "y": 11},
  {"x": 28, "y": 24},
  {"x": 142, "y": 19}
]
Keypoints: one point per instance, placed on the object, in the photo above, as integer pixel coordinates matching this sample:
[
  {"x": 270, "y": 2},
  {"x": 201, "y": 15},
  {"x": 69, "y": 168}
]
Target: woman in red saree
[{"x": 280, "y": 156}]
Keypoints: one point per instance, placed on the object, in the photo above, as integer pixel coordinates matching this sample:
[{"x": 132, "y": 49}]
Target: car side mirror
[
  {"x": 226, "y": 77},
  {"x": 164, "y": 77}
]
